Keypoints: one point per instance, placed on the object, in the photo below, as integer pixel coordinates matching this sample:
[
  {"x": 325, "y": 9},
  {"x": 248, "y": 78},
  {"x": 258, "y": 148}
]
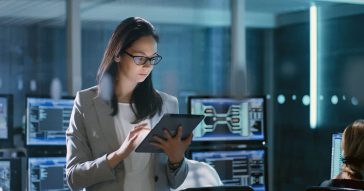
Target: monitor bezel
[
  {"x": 8, "y": 142},
  {"x": 39, "y": 150},
  {"x": 258, "y": 141}
]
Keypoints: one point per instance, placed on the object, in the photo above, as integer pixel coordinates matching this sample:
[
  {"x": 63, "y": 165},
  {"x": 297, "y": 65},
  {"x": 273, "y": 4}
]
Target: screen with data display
[
  {"x": 336, "y": 155},
  {"x": 10, "y": 175},
  {"x": 6, "y": 121},
  {"x": 47, "y": 120},
  {"x": 228, "y": 119},
  {"x": 5, "y": 175},
  {"x": 47, "y": 173},
  {"x": 236, "y": 168},
  {"x": 4, "y": 117}
]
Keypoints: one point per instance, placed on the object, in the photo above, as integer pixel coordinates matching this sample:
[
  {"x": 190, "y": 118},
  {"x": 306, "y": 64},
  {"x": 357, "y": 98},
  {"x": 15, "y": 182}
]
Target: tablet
[{"x": 170, "y": 122}]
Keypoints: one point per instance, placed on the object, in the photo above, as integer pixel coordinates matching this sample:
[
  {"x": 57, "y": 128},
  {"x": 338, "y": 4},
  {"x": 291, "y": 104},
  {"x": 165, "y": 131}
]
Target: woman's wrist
[
  {"x": 176, "y": 158},
  {"x": 114, "y": 158},
  {"x": 120, "y": 155},
  {"x": 175, "y": 165}
]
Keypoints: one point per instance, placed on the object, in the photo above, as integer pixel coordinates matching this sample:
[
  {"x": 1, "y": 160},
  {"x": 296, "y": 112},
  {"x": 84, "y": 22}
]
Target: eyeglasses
[{"x": 141, "y": 60}]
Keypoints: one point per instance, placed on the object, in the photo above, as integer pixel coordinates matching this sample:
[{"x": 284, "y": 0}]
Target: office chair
[
  {"x": 348, "y": 183},
  {"x": 321, "y": 188},
  {"x": 340, "y": 184},
  {"x": 200, "y": 174},
  {"x": 221, "y": 188}
]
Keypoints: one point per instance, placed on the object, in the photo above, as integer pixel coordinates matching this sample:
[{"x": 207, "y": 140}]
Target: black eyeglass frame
[{"x": 156, "y": 61}]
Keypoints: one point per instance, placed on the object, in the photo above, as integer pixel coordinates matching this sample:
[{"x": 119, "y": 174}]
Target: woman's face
[{"x": 129, "y": 70}]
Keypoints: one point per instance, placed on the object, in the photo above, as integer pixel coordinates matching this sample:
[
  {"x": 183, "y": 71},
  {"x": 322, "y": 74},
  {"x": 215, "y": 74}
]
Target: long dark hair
[
  {"x": 353, "y": 146},
  {"x": 147, "y": 102}
]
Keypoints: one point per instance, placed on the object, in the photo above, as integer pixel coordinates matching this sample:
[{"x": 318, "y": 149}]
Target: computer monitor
[
  {"x": 47, "y": 173},
  {"x": 47, "y": 121},
  {"x": 10, "y": 175},
  {"x": 6, "y": 119},
  {"x": 238, "y": 167},
  {"x": 336, "y": 155},
  {"x": 229, "y": 119}
]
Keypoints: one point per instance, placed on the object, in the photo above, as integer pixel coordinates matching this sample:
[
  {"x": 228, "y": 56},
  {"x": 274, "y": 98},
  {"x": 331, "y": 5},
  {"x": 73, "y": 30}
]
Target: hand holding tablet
[{"x": 169, "y": 122}]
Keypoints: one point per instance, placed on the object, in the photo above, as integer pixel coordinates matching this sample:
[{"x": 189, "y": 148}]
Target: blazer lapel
[{"x": 106, "y": 122}]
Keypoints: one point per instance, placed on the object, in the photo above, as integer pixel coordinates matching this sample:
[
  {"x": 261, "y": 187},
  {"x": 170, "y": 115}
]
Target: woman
[
  {"x": 352, "y": 172},
  {"x": 109, "y": 120}
]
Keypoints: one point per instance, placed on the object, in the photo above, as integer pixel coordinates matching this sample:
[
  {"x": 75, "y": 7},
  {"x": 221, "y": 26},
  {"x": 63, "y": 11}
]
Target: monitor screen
[
  {"x": 47, "y": 173},
  {"x": 5, "y": 175},
  {"x": 6, "y": 121},
  {"x": 228, "y": 119},
  {"x": 10, "y": 176},
  {"x": 236, "y": 168},
  {"x": 47, "y": 120},
  {"x": 4, "y": 117},
  {"x": 336, "y": 155}
]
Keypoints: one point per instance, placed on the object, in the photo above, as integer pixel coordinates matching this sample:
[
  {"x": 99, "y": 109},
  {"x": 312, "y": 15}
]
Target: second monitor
[
  {"x": 47, "y": 121},
  {"x": 10, "y": 174},
  {"x": 229, "y": 119},
  {"x": 6, "y": 127},
  {"x": 336, "y": 155},
  {"x": 47, "y": 173},
  {"x": 237, "y": 167}
]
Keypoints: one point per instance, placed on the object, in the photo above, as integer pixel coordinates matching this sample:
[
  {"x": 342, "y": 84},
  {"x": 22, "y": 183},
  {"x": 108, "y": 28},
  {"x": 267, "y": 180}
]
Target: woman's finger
[
  {"x": 167, "y": 134},
  {"x": 137, "y": 130},
  {"x": 179, "y": 132},
  {"x": 133, "y": 138},
  {"x": 140, "y": 128},
  {"x": 158, "y": 145},
  {"x": 141, "y": 125},
  {"x": 132, "y": 133},
  {"x": 159, "y": 140}
]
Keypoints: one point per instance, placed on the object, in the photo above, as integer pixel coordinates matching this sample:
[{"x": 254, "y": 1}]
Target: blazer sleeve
[
  {"x": 176, "y": 177},
  {"x": 81, "y": 169}
]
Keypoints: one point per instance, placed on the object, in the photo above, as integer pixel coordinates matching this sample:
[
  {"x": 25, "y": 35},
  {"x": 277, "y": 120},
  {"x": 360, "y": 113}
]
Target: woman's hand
[
  {"x": 174, "y": 147},
  {"x": 129, "y": 145}
]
